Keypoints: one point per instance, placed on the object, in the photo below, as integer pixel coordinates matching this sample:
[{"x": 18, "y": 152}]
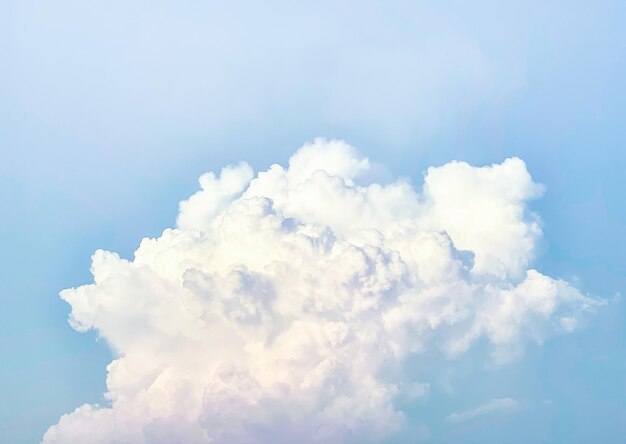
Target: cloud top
[{"x": 284, "y": 304}]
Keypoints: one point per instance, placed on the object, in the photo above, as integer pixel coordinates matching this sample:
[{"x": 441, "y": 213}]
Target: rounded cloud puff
[{"x": 284, "y": 305}]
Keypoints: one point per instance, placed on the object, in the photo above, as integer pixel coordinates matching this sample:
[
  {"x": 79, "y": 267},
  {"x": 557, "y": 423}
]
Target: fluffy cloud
[{"x": 283, "y": 306}]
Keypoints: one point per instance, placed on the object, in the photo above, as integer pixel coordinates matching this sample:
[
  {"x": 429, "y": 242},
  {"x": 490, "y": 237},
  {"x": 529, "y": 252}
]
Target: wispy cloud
[{"x": 492, "y": 406}]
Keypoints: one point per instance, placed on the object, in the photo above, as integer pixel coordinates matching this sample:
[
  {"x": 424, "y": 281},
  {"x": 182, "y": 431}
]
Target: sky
[{"x": 111, "y": 111}]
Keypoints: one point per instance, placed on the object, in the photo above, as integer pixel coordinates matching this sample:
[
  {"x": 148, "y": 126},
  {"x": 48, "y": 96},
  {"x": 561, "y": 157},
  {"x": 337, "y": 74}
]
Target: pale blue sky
[{"x": 109, "y": 111}]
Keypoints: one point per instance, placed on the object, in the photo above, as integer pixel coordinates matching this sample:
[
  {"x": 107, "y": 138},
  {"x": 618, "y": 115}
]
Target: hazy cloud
[{"x": 491, "y": 406}]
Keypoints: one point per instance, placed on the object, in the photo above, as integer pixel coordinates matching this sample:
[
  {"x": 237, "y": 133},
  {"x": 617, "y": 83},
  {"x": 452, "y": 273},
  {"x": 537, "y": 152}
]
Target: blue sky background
[{"x": 109, "y": 111}]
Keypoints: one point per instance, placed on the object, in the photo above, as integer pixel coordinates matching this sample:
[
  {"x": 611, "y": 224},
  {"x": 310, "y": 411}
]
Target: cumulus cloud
[
  {"x": 491, "y": 406},
  {"x": 284, "y": 304}
]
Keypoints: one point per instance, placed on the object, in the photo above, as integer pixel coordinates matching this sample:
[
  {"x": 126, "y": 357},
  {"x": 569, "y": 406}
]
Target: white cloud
[
  {"x": 284, "y": 305},
  {"x": 491, "y": 406}
]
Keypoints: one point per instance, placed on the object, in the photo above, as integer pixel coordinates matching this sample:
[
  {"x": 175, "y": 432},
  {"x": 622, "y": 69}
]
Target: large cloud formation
[{"x": 284, "y": 305}]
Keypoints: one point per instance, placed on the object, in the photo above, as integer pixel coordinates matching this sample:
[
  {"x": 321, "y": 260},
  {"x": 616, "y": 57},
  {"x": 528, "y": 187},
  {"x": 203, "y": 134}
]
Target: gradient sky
[{"x": 109, "y": 112}]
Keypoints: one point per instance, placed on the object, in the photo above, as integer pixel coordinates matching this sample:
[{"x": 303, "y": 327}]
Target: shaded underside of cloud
[{"x": 285, "y": 303}]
